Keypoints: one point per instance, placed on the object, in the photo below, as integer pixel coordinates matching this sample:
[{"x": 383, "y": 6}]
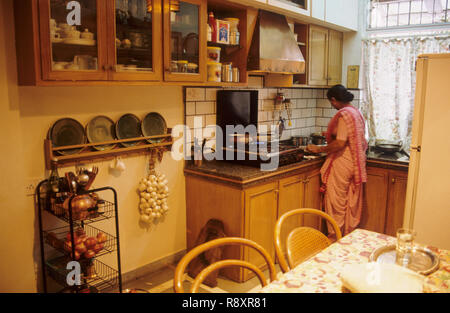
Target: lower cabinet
[
  {"x": 384, "y": 200},
  {"x": 250, "y": 212}
]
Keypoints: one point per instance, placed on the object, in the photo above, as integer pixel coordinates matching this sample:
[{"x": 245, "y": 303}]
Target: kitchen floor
[{"x": 162, "y": 282}]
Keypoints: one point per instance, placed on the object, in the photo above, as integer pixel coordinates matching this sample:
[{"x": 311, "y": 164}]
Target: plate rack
[{"x": 88, "y": 154}]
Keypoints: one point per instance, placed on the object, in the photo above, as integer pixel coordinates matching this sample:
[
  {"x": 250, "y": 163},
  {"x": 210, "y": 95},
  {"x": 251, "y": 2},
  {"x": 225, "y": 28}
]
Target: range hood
[{"x": 274, "y": 48}]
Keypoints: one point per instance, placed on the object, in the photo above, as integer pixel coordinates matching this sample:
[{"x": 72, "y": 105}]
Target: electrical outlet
[{"x": 31, "y": 184}]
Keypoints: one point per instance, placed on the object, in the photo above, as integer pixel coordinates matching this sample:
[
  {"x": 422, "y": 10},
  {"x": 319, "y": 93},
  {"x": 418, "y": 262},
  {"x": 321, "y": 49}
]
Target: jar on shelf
[
  {"x": 227, "y": 72},
  {"x": 192, "y": 68},
  {"x": 234, "y": 31},
  {"x": 236, "y": 75},
  {"x": 182, "y": 66},
  {"x": 214, "y": 72},
  {"x": 214, "y": 54}
]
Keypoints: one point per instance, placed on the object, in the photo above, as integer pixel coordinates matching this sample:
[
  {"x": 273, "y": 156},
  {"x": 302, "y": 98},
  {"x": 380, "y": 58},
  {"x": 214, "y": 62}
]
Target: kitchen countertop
[{"x": 243, "y": 174}]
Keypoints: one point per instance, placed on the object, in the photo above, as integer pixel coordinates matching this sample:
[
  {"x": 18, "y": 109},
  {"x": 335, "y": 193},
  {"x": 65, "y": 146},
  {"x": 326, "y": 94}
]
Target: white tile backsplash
[{"x": 311, "y": 111}]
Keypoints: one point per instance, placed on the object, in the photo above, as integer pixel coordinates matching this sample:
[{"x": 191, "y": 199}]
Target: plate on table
[
  {"x": 100, "y": 129},
  {"x": 128, "y": 126},
  {"x": 153, "y": 125},
  {"x": 67, "y": 132},
  {"x": 423, "y": 260}
]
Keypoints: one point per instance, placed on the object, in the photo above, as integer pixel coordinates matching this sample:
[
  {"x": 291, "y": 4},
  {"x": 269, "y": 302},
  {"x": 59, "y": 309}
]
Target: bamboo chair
[
  {"x": 302, "y": 242},
  {"x": 184, "y": 262}
]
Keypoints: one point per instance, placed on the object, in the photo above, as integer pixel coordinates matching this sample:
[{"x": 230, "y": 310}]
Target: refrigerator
[{"x": 427, "y": 206}]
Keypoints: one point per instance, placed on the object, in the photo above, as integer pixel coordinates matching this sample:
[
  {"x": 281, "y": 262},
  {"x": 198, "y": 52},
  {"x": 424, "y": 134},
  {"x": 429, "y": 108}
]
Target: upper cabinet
[
  {"x": 73, "y": 40},
  {"x": 342, "y": 13},
  {"x": 325, "y": 56},
  {"x": 134, "y": 37},
  {"x": 295, "y": 6},
  {"x": 138, "y": 41},
  {"x": 185, "y": 40},
  {"x": 318, "y": 9}
]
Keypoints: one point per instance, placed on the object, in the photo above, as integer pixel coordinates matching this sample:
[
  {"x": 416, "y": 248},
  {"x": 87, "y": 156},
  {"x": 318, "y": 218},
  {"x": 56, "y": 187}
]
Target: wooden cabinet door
[
  {"x": 375, "y": 199},
  {"x": 313, "y": 198},
  {"x": 66, "y": 52},
  {"x": 139, "y": 59},
  {"x": 261, "y": 205},
  {"x": 291, "y": 197},
  {"x": 318, "y": 56},
  {"x": 184, "y": 40},
  {"x": 335, "y": 46},
  {"x": 396, "y": 201}
]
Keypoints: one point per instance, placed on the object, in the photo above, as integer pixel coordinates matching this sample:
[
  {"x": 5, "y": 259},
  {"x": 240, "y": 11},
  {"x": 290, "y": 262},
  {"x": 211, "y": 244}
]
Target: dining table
[{"x": 321, "y": 273}]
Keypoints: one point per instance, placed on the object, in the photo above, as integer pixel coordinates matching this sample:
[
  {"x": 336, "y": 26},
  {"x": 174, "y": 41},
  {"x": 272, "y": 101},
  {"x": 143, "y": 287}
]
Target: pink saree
[{"x": 344, "y": 172}]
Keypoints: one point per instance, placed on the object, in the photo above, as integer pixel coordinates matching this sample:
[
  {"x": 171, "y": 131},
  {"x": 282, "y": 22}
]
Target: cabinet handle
[
  {"x": 393, "y": 180},
  {"x": 418, "y": 148},
  {"x": 306, "y": 181}
]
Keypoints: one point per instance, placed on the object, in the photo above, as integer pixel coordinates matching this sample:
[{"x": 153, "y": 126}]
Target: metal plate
[
  {"x": 128, "y": 126},
  {"x": 153, "y": 125},
  {"x": 423, "y": 261},
  {"x": 101, "y": 129},
  {"x": 67, "y": 132}
]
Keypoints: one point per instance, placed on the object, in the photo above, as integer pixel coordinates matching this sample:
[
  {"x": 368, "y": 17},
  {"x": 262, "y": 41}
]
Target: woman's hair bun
[{"x": 340, "y": 93}]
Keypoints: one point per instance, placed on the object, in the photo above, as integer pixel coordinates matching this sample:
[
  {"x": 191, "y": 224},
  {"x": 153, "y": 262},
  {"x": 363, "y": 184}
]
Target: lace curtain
[{"x": 389, "y": 82}]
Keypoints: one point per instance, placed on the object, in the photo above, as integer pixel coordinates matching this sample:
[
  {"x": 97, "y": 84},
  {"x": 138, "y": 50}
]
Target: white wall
[{"x": 353, "y": 45}]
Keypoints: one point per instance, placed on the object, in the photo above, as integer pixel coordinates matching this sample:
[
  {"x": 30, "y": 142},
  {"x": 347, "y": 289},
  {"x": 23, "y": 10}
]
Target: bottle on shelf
[
  {"x": 53, "y": 186},
  {"x": 213, "y": 25}
]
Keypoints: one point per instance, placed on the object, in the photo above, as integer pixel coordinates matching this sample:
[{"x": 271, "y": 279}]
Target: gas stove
[{"x": 261, "y": 152}]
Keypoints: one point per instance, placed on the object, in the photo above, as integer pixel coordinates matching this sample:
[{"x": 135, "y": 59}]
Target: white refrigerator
[{"x": 427, "y": 207}]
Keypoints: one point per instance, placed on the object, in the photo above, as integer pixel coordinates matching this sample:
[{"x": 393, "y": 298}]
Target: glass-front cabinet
[
  {"x": 137, "y": 40},
  {"x": 73, "y": 41},
  {"x": 184, "y": 40},
  {"x": 118, "y": 40}
]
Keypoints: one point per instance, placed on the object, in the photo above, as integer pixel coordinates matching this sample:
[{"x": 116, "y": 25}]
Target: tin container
[
  {"x": 227, "y": 72},
  {"x": 214, "y": 71},
  {"x": 236, "y": 75}
]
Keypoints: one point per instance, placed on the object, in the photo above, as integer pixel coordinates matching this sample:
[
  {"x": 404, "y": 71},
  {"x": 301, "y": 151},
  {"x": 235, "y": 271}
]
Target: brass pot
[{"x": 83, "y": 203}]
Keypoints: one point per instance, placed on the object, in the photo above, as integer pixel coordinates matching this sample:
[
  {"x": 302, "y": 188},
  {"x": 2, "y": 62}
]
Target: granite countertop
[
  {"x": 243, "y": 174},
  {"x": 397, "y": 158}
]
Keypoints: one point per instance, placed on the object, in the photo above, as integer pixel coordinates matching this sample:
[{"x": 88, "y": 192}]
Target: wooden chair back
[
  {"x": 302, "y": 242},
  {"x": 184, "y": 262}
]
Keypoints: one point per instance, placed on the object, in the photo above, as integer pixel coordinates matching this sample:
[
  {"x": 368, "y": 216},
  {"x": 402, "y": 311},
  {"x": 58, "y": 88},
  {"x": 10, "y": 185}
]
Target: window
[{"x": 404, "y": 13}]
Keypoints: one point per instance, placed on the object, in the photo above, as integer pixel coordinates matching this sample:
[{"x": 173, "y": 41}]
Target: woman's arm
[{"x": 334, "y": 146}]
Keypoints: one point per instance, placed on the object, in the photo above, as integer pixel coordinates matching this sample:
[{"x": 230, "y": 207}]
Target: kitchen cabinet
[
  {"x": 65, "y": 55},
  {"x": 250, "y": 211},
  {"x": 318, "y": 9},
  {"x": 325, "y": 56},
  {"x": 294, "y": 6},
  {"x": 110, "y": 41},
  {"x": 185, "y": 40},
  {"x": 260, "y": 211},
  {"x": 299, "y": 191},
  {"x": 343, "y": 13},
  {"x": 384, "y": 200}
]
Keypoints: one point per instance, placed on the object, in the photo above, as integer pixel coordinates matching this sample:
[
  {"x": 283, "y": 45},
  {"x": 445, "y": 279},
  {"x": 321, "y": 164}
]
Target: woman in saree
[{"x": 344, "y": 170}]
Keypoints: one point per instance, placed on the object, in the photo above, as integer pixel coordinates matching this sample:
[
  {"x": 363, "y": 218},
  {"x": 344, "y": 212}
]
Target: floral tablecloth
[{"x": 321, "y": 273}]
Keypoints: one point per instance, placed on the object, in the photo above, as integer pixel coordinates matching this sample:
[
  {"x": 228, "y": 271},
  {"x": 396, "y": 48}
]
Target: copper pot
[{"x": 80, "y": 206}]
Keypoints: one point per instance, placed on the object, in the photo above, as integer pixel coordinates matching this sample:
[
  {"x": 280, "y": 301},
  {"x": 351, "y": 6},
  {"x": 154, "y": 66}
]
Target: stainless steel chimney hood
[{"x": 273, "y": 47}]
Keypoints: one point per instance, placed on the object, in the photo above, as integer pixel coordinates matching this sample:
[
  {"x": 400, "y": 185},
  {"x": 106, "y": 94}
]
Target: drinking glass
[{"x": 405, "y": 245}]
